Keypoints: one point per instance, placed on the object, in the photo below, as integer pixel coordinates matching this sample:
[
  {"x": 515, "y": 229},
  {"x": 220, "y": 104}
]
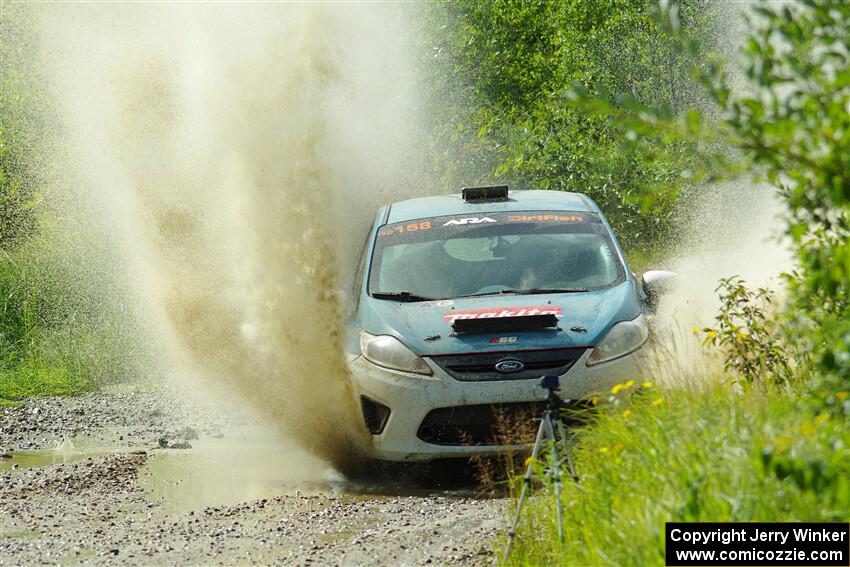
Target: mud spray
[{"x": 237, "y": 154}]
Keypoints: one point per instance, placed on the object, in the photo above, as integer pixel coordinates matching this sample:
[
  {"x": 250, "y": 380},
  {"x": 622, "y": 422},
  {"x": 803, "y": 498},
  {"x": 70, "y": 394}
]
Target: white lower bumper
[{"x": 410, "y": 397}]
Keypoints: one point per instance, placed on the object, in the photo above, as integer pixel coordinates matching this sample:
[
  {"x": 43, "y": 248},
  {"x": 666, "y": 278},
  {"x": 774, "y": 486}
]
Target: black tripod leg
[
  {"x": 526, "y": 484},
  {"x": 562, "y": 432},
  {"x": 550, "y": 418}
]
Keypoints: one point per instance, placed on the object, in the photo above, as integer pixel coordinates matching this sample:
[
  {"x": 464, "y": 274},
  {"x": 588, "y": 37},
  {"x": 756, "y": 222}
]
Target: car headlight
[
  {"x": 389, "y": 352},
  {"x": 622, "y": 339}
]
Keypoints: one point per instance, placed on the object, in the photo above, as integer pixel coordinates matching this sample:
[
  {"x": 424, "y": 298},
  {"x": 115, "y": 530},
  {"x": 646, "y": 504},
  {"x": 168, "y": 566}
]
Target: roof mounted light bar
[{"x": 489, "y": 193}]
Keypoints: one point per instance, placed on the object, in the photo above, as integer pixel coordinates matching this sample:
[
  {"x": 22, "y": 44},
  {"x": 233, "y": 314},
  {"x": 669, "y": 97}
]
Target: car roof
[{"x": 524, "y": 200}]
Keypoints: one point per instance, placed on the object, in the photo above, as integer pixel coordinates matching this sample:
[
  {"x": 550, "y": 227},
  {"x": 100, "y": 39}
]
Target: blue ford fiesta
[{"x": 464, "y": 301}]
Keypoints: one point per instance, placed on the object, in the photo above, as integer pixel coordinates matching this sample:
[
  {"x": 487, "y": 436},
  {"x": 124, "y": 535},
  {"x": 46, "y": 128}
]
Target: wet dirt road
[{"x": 136, "y": 477}]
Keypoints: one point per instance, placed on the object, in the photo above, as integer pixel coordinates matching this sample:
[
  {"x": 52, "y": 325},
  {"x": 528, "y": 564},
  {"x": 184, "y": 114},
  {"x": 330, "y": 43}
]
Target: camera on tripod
[
  {"x": 550, "y": 383},
  {"x": 553, "y": 400},
  {"x": 552, "y": 433}
]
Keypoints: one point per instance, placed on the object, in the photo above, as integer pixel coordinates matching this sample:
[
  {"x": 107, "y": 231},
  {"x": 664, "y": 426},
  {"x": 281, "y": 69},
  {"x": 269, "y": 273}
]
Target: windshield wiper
[
  {"x": 404, "y": 296},
  {"x": 531, "y": 291},
  {"x": 537, "y": 290}
]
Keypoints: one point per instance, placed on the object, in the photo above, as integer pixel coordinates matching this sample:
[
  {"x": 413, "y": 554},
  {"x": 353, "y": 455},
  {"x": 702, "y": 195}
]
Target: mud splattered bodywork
[{"x": 463, "y": 304}]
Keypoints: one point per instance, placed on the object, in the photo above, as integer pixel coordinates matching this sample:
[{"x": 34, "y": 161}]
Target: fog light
[{"x": 374, "y": 414}]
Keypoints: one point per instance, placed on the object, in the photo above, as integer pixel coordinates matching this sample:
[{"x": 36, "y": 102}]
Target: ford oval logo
[{"x": 509, "y": 366}]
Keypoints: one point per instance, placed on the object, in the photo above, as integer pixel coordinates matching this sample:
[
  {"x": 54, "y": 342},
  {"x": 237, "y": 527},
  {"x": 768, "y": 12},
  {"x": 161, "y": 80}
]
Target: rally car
[{"x": 464, "y": 301}]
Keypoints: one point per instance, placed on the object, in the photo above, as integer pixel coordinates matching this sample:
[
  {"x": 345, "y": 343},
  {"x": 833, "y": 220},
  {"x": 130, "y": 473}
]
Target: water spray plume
[
  {"x": 726, "y": 229},
  {"x": 237, "y": 154}
]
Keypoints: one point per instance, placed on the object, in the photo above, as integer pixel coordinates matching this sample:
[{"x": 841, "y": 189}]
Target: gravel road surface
[{"x": 143, "y": 478}]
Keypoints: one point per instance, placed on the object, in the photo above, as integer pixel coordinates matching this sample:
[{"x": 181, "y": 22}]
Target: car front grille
[
  {"x": 486, "y": 424},
  {"x": 481, "y": 367}
]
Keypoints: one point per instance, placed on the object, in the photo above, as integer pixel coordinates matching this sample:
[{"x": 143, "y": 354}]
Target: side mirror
[{"x": 655, "y": 284}]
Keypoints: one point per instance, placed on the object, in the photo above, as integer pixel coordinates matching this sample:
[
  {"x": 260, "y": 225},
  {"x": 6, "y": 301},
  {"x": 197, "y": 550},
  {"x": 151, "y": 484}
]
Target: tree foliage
[
  {"x": 787, "y": 118},
  {"x": 503, "y": 71},
  {"x": 795, "y": 123}
]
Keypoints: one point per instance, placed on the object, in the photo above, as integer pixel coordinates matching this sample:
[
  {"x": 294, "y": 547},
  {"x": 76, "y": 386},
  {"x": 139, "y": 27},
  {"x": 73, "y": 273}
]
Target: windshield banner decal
[
  {"x": 545, "y": 218},
  {"x": 453, "y": 223},
  {"x": 468, "y": 220},
  {"x": 402, "y": 228},
  {"x": 501, "y": 312}
]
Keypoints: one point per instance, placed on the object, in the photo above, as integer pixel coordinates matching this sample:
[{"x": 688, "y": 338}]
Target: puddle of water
[
  {"x": 66, "y": 451},
  {"x": 249, "y": 465},
  {"x": 20, "y": 534}
]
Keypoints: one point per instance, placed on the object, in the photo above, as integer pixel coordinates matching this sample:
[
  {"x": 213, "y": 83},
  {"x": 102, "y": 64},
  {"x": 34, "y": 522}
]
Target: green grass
[
  {"x": 69, "y": 359},
  {"x": 36, "y": 376},
  {"x": 61, "y": 332},
  {"x": 707, "y": 455}
]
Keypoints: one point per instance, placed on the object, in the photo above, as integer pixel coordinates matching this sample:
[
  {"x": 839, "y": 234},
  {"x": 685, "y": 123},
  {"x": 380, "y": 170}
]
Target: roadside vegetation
[
  {"x": 764, "y": 436},
  {"x": 61, "y": 332},
  {"x": 708, "y": 454},
  {"x": 503, "y": 71}
]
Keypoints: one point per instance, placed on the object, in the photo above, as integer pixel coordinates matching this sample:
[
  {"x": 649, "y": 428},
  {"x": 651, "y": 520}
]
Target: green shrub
[
  {"x": 784, "y": 118},
  {"x": 750, "y": 335}
]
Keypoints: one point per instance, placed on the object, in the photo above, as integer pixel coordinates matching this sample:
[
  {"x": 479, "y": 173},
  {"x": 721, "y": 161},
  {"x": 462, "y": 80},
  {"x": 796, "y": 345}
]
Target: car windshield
[{"x": 464, "y": 255}]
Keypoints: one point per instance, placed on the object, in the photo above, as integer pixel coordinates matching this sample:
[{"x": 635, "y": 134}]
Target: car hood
[{"x": 425, "y": 327}]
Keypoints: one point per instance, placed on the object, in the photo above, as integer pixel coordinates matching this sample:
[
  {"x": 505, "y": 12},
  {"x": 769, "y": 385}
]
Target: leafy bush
[
  {"x": 712, "y": 454},
  {"x": 754, "y": 345},
  {"x": 796, "y": 126}
]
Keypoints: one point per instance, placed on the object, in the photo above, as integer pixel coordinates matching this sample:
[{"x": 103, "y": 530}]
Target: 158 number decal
[{"x": 402, "y": 228}]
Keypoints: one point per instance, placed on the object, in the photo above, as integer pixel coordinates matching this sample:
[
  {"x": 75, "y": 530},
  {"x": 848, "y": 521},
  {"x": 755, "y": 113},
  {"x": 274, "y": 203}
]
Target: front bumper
[{"x": 411, "y": 397}]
